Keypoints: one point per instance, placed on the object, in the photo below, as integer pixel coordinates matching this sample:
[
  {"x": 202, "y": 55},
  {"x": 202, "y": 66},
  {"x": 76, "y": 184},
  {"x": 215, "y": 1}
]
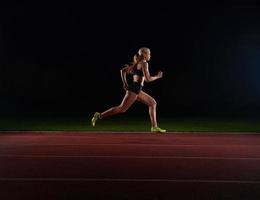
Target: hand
[
  {"x": 160, "y": 74},
  {"x": 125, "y": 87}
]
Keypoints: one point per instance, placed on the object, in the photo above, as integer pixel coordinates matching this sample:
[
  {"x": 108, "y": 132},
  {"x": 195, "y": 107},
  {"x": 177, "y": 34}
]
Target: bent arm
[
  {"x": 147, "y": 76},
  {"x": 123, "y": 73}
]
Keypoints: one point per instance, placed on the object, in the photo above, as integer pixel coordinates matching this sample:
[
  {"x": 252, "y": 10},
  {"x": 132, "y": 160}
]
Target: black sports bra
[{"x": 138, "y": 72}]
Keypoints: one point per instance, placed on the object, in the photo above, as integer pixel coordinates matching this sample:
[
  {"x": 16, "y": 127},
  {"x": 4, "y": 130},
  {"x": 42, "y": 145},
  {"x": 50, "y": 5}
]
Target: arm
[
  {"x": 123, "y": 76},
  {"x": 147, "y": 76}
]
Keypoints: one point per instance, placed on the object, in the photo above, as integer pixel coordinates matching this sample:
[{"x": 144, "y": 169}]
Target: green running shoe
[
  {"x": 158, "y": 130},
  {"x": 95, "y": 118}
]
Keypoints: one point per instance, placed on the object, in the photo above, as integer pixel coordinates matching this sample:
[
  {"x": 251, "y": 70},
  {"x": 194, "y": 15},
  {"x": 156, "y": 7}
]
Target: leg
[
  {"x": 151, "y": 103},
  {"x": 128, "y": 100}
]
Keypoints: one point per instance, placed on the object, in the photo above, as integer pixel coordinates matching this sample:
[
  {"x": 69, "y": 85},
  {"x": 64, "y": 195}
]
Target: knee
[
  {"x": 122, "y": 109},
  {"x": 153, "y": 103}
]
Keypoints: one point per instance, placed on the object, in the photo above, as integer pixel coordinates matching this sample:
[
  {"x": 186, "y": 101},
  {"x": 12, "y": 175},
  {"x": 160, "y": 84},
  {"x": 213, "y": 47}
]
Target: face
[{"x": 147, "y": 55}]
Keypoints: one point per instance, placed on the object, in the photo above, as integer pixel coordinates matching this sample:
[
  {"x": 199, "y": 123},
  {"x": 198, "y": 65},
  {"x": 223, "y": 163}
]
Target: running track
[{"x": 147, "y": 166}]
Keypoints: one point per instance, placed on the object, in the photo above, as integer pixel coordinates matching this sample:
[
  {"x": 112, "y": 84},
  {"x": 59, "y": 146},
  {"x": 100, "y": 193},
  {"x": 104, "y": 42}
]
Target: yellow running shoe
[
  {"x": 95, "y": 118},
  {"x": 158, "y": 130}
]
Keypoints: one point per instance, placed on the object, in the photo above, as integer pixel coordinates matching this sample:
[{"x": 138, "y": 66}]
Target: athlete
[{"x": 139, "y": 69}]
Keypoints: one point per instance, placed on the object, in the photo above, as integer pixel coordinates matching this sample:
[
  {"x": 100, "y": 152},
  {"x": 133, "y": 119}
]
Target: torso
[{"x": 139, "y": 78}]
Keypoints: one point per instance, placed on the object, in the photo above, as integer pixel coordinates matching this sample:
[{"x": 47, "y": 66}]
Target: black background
[{"x": 64, "y": 57}]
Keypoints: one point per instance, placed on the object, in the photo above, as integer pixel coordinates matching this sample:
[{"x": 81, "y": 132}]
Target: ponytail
[{"x": 136, "y": 59}]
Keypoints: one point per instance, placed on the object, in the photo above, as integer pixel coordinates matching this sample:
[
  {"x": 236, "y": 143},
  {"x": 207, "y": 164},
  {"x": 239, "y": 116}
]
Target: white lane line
[
  {"x": 129, "y": 144},
  {"x": 133, "y": 180},
  {"x": 128, "y": 157}
]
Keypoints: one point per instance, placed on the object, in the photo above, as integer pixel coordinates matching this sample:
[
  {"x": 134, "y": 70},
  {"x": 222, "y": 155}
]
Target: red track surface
[{"x": 78, "y": 165}]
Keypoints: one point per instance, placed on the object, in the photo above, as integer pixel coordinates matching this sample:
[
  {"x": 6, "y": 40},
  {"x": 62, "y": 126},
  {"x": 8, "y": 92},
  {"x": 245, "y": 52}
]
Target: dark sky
[{"x": 66, "y": 55}]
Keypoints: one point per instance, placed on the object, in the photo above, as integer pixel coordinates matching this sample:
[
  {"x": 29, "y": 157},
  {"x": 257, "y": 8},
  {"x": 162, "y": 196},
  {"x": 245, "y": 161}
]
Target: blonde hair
[
  {"x": 138, "y": 57},
  {"x": 143, "y": 50}
]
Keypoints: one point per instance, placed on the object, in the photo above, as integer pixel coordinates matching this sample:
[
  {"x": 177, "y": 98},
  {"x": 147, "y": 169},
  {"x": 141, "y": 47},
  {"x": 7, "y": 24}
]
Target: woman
[{"x": 139, "y": 69}]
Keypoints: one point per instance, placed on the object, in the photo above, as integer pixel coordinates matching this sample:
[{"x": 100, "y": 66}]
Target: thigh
[
  {"x": 146, "y": 98},
  {"x": 129, "y": 99}
]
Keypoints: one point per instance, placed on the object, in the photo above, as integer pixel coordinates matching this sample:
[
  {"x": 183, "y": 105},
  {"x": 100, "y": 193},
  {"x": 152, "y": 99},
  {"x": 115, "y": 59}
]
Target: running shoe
[
  {"x": 95, "y": 118},
  {"x": 157, "y": 129}
]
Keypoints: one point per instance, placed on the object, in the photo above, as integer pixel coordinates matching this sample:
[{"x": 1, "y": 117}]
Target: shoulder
[
  {"x": 125, "y": 67},
  {"x": 144, "y": 64}
]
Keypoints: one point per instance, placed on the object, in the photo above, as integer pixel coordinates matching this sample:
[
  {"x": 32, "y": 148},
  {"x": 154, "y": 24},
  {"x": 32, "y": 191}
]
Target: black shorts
[{"x": 135, "y": 87}]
